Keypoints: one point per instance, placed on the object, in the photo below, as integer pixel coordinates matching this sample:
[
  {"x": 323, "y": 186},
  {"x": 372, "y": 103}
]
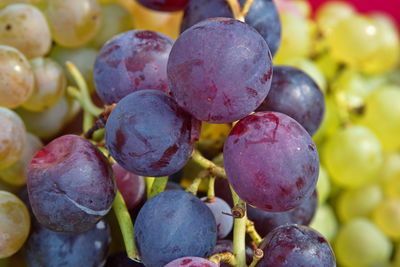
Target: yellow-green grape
[
  {"x": 16, "y": 77},
  {"x": 358, "y": 202},
  {"x": 16, "y": 173},
  {"x": 325, "y": 222},
  {"x": 83, "y": 58},
  {"x": 311, "y": 69},
  {"x": 38, "y": 3},
  {"x": 12, "y": 137},
  {"x": 50, "y": 83},
  {"x": 382, "y": 116},
  {"x": 360, "y": 243},
  {"x": 353, "y": 156},
  {"x": 329, "y": 14},
  {"x": 14, "y": 224},
  {"x": 24, "y": 27},
  {"x": 387, "y": 216},
  {"x": 48, "y": 123},
  {"x": 296, "y": 38},
  {"x": 330, "y": 123},
  {"x": 74, "y": 22},
  {"x": 327, "y": 65},
  {"x": 323, "y": 185},
  {"x": 116, "y": 19}
]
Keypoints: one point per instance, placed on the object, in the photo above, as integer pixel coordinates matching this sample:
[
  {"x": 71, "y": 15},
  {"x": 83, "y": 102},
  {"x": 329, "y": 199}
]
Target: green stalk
[
  {"x": 208, "y": 164},
  {"x": 158, "y": 186},
  {"x": 239, "y": 232}
]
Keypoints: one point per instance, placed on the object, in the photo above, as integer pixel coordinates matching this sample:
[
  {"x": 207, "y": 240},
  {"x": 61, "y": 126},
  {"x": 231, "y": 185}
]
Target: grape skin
[
  {"x": 70, "y": 185},
  {"x": 174, "y": 224},
  {"x": 149, "y": 134},
  {"x": 164, "y": 5},
  {"x": 224, "y": 221},
  {"x": 191, "y": 262},
  {"x": 271, "y": 161},
  {"x": 132, "y": 61}
]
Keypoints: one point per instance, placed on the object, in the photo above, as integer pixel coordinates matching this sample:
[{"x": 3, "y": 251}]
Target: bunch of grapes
[{"x": 201, "y": 128}]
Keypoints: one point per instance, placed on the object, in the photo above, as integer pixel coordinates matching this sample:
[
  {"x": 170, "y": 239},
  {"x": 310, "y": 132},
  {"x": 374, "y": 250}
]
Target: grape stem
[
  {"x": 226, "y": 257},
  {"x": 126, "y": 226},
  {"x": 246, "y": 7},
  {"x": 158, "y": 186},
  {"x": 194, "y": 186},
  {"x": 239, "y": 232},
  {"x": 211, "y": 191},
  {"x": 235, "y": 7},
  {"x": 100, "y": 122},
  {"x": 149, "y": 182},
  {"x": 257, "y": 256},
  {"x": 251, "y": 231},
  {"x": 208, "y": 164}
]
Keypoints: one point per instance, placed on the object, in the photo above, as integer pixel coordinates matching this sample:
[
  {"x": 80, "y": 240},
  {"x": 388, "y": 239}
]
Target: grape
[
  {"x": 263, "y": 16},
  {"x": 131, "y": 186},
  {"x": 70, "y": 185},
  {"x": 325, "y": 222},
  {"x": 360, "y": 243},
  {"x": 174, "y": 224},
  {"x": 329, "y": 14},
  {"x": 12, "y": 137},
  {"x": 330, "y": 123},
  {"x": 295, "y": 94},
  {"x": 223, "y": 190},
  {"x": 352, "y": 156},
  {"x": 25, "y": 28},
  {"x": 387, "y": 217},
  {"x": 75, "y": 22},
  {"x": 358, "y": 202},
  {"x": 224, "y": 221},
  {"x": 16, "y": 77},
  {"x": 50, "y": 83},
  {"x": 47, "y": 123},
  {"x": 173, "y": 186},
  {"x": 271, "y": 161},
  {"x": 191, "y": 262},
  {"x": 121, "y": 260},
  {"x": 327, "y": 65},
  {"x": 382, "y": 116},
  {"x": 220, "y": 70},
  {"x": 52, "y": 249},
  {"x": 14, "y": 224},
  {"x": 265, "y": 221},
  {"x": 164, "y": 5},
  {"x": 295, "y": 245},
  {"x": 38, "y": 3},
  {"x": 132, "y": 61},
  {"x": 149, "y": 134},
  {"x": 16, "y": 173},
  {"x": 323, "y": 185}
]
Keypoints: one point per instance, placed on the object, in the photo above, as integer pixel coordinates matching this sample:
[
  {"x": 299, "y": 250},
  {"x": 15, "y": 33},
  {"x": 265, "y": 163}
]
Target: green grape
[
  {"x": 16, "y": 77},
  {"x": 116, "y": 19},
  {"x": 16, "y": 173},
  {"x": 74, "y": 22},
  {"x": 38, "y": 3},
  {"x": 353, "y": 156},
  {"x": 83, "y": 58},
  {"x": 12, "y": 137},
  {"x": 382, "y": 116},
  {"x": 358, "y": 202},
  {"x": 14, "y": 224},
  {"x": 24, "y": 27},
  {"x": 296, "y": 38},
  {"x": 327, "y": 65},
  {"x": 50, "y": 83},
  {"x": 329, "y": 14},
  {"x": 323, "y": 185},
  {"x": 330, "y": 123},
  {"x": 387, "y": 217},
  {"x": 360, "y": 243},
  {"x": 325, "y": 222},
  {"x": 48, "y": 123}
]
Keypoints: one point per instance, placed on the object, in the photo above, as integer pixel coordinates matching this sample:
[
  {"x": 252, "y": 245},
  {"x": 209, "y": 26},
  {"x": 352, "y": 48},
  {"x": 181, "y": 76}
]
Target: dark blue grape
[
  {"x": 263, "y": 16},
  {"x": 51, "y": 249},
  {"x": 220, "y": 70},
  {"x": 221, "y": 211},
  {"x": 174, "y": 224},
  {"x": 271, "y": 161},
  {"x": 295, "y": 94},
  {"x": 173, "y": 186},
  {"x": 132, "y": 61},
  {"x": 120, "y": 259},
  {"x": 164, "y": 5},
  {"x": 265, "y": 221},
  {"x": 296, "y": 246},
  {"x": 70, "y": 185},
  {"x": 150, "y": 135}
]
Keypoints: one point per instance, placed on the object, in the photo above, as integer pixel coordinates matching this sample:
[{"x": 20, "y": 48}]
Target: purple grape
[
  {"x": 296, "y": 246},
  {"x": 131, "y": 186},
  {"x": 263, "y": 16},
  {"x": 174, "y": 224},
  {"x": 51, "y": 249},
  {"x": 191, "y": 262},
  {"x": 150, "y": 135},
  {"x": 70, "y": 185},
  {"x": 164, "y": 5},
  {"x": 265, "y": 221},
  {"x": 224, "y": 222},
  {"x": 220, "y": 70},
  {"x": 120, "y": 259},
  {"x": 132, "y": 61},
  {"x": 295, "y": 94},
  {"x": 271, "y": 161},
  {"x": 223, "y": 191}
]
